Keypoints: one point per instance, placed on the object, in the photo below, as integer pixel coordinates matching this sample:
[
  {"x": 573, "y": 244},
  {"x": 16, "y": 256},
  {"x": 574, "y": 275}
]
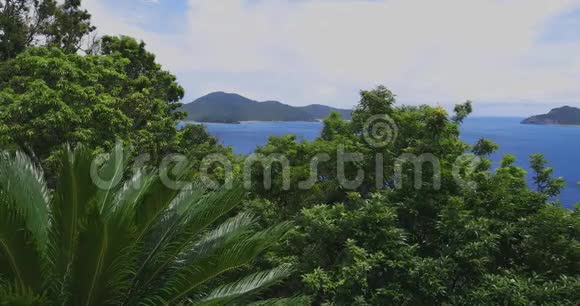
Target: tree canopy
[
  {"x": 50, "y": 98},
  {"x": 487, "y": 238},
  {"x": 413, "y": 216},
  {"x": 27, "y": 23}
]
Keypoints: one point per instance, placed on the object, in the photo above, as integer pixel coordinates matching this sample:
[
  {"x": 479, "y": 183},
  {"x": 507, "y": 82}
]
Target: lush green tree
[
  {"x": 27, "y": 23},
  {"x": 101, "y": 239},
  {"x": 14, "y": 31},
  {"x": 195, "y": 139},
  {"x": 49, "y": 98},
  {"x": 357, "y": 254},
  {"x": 69, "y": 27},
  {"x": 466, "y": 234},
  {"x": 413, "y": 130}
]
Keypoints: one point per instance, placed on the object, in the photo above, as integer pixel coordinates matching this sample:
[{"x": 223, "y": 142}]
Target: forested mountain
[
  {"x": 321, "y": 111},
  {"x": 565, "y": 115},
  {"x": 229, "y": 108}
]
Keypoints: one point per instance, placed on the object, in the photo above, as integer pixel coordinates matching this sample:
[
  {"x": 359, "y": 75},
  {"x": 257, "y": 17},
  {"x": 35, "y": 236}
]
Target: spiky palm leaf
[
  {"x": 15, "y": 295},
  {"x": 23, "y": 221},
  {"x": 225, "y": 294},
  {"x": 136, "y": 241},
  {"x": 289, "y": 301}
]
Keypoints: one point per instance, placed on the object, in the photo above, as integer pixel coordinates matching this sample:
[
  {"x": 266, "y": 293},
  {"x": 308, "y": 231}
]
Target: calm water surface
[{"x": 560, "y": 144}]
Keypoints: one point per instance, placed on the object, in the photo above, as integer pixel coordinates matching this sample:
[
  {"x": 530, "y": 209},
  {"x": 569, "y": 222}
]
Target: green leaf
[
  {"x": 227, "y": 293},
  {"x": 72, "y": 200},
  {"x": 231, "y": 256},
  {"x": 20, "y": 260},
  {"x": 24, "y": 184}
]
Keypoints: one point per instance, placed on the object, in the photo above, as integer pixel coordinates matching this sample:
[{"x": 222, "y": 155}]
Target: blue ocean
[{"x": 559, "y": 144}]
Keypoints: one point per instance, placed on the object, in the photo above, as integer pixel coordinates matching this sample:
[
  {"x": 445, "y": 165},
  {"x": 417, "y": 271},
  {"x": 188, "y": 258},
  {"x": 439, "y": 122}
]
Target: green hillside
[
  {"x": 565, "y": 115},
  {"x": 230, "y": 108}
]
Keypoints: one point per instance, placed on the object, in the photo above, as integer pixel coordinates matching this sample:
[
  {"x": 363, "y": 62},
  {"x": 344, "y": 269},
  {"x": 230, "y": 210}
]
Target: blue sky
[{"x": 511, "y": 57}]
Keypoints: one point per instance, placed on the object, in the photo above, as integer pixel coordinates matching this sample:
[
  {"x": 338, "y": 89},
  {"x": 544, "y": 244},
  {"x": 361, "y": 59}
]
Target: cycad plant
[{"x": 134, "y": 242}]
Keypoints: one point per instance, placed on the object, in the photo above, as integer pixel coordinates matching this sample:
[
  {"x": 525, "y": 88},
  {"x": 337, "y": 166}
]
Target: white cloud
[{"x": 324, "y": 51}]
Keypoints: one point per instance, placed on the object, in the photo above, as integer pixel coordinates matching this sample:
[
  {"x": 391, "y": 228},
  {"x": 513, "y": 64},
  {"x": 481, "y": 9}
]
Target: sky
[{"x": 510, "y": 57}]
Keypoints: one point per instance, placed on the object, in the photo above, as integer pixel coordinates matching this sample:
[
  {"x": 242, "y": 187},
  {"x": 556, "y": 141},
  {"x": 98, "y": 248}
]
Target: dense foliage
[
  {"x": 126, "y": 241},
  {"x": 489, "y": 239},
  {"x": 50, "y": 98},
  {"x": 25, "y": 23},
  {"x": 415, "y": 216}
]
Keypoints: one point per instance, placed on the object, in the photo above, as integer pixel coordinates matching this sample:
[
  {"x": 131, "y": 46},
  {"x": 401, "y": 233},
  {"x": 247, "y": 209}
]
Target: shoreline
[{"x": 552, "y": 124}]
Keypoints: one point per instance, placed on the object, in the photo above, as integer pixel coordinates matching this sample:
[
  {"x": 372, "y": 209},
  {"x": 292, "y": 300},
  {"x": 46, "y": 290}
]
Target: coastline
[{"x": 552, "y": 124}]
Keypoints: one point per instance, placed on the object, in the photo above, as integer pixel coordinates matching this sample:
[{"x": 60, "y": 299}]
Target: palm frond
[
  {"x": 156, "y": 198},
  {"x": 73, "y": 196},
  {"x": 233, "y": 228},
  {"x": 133, "y": 241},
  {"x": 20, "y": 260},
  {"x": 231, "y": 256},
  {"x": 102, "y": 270},
  {"x": 95, "y": 234},
  {"x": 242, "y": 221},
  {"x": 186, "y": 226},
  {"x": 169, "y": 222},
  {"x": 24, "y": 184},
  {"x": 133, "y": 190},
  {"x": 110, "y": 173},
  {"x": 23, "y": 220},
  {"x": 225, "y": 294},
  {"x": 213, "y": 206},
  {"x": 156, "y": 234},
  {"x": 188, "y": 196},
  {"x": 15, "y": 295},
  {"x": 289, "y": 301}
]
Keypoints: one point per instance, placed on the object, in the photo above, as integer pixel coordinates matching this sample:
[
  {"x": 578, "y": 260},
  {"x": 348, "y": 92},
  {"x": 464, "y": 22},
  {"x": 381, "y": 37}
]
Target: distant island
[
  {"x": 222, "y": 107},
  {"x": 565, "y": 115}
]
